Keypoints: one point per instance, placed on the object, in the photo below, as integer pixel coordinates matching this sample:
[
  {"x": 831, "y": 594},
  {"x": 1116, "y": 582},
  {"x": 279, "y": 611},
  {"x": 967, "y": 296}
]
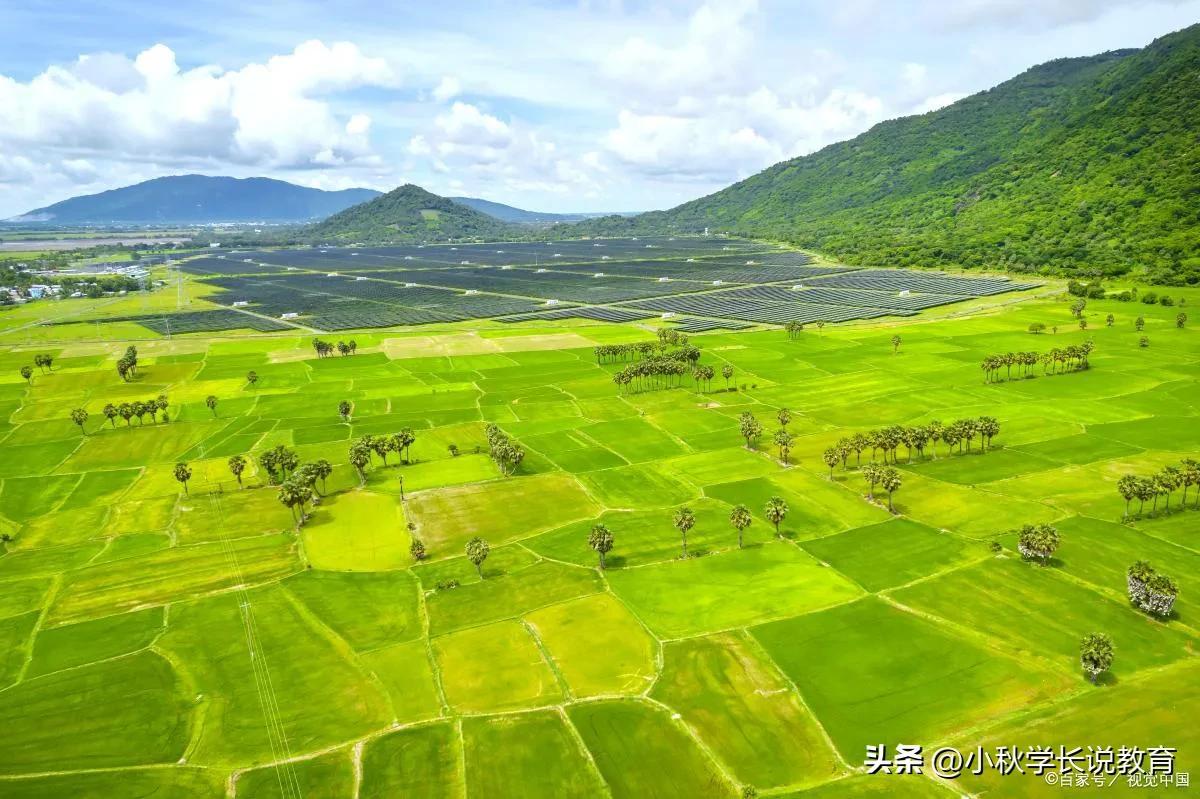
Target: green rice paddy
[{"x": 161, "y": 643}]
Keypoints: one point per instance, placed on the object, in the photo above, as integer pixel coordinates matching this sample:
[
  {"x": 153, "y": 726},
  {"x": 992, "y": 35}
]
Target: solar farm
[{"x": 714, "y": 281}]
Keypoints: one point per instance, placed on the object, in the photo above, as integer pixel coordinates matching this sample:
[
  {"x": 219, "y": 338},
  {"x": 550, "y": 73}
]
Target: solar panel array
[
  {"x": 688, "y": 325},
  {"x": 617, "y": 280},
  {"x": 196, "y": 322}
]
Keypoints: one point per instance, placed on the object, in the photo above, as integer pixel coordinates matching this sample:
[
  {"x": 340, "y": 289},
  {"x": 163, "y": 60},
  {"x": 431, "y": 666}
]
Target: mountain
[
  {"x": 519, "y": 216},
  {"x": 409, "y": 213},
  {"x": 200, "y": 199},
  {"x": 1080, "y": 165}
]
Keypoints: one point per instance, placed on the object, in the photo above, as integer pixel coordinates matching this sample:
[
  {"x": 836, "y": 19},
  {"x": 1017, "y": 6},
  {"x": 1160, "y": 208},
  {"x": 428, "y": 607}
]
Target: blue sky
[{"x": 546, "y": 105}]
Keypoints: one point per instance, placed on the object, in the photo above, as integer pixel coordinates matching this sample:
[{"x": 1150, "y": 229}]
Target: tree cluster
[
  {"x": 504, "y": 451},
  {"x": 658, "y": 371},
  {"x": 127, "y": 365},
  {"x": 1037, "y": 542},
  {"x": 1151, "y": 591},
  {"x": 888, "y": 440},
  {"x": 325, "y": 349}
]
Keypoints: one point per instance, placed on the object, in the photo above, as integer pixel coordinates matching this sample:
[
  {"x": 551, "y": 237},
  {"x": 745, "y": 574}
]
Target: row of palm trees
[
  {"x": 624, "y": 352},
  {"x": 362, "y": 450},
  {"x": 1073, "y": 357},
  {"x": 325, "y": 349},
  {"x": 505, "y": 452},
  {"x": 138, "y": 409},
  {"x": 654, "y": 372},
  {"x": 1161, "y": 484},
  {"x": 888, "y": 440}
]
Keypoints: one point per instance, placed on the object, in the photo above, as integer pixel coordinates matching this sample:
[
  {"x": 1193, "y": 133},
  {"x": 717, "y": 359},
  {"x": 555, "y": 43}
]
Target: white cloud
[
  {"x": 272, "y": 114},
  {"x": 703, "y": 110},
  {"x": 447, "y": 89},
  {"x": 482, "y": 149}
]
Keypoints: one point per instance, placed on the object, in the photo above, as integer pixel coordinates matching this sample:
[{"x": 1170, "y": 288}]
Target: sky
[{"x": 553, "y": 106}]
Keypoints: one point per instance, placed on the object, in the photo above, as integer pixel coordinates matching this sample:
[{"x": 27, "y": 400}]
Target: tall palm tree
[
  {"x": 776, "y": 511},
  {"x": 871, "y": 473},
  {"x": 360, "y": 458},
  {"x": 183, "y": 473},
  {"x": 237, "y": 465},
  {"x": 890, "y": 480},
  {"x": 783, "y": 439},
  {"x": 322, "y": 469},
  {"x": 727, "y": 373},
  {"x": 1127, "y": 486},
  {"x": 784, "y": 416},
  {"x": 600, "y": 539},
  {"x": 831, "y": 456},
  {"x": 895, "y": 343},
  {"x": 740, "y": 518},
  {"x": 211, "y": 402},
  {"x": 477, "y": 552},
  {"x": 684, "y": 521},
  {"x": 79, "y": 416},
  {"x": 750, "y": 428},
  {"x": 27, "y": 373}
]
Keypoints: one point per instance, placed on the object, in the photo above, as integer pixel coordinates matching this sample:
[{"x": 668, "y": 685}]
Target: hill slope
[
  {"x": 1077, "y": 165},
  {"x": 408, "y": 213},
  {"x": 200, "y": 199},
  {"x": 519, "y": 216}
]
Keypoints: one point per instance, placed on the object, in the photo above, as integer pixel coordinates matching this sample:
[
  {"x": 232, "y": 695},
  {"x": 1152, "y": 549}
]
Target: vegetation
[
  {"x": 407, "y": 214},
  {"x": 1096, "y": 654}
]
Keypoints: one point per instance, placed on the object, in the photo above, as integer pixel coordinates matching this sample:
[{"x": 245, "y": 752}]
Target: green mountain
[
  {"x": 1081, "y": 165},
  {"x": 199, "y": 199},
  {"x": 519, "y": 216},
  {"x": 408, "y": 214}
]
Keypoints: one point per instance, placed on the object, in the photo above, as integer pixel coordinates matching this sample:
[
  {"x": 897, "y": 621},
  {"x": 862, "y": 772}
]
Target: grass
[{"x": 126, "y": 606}]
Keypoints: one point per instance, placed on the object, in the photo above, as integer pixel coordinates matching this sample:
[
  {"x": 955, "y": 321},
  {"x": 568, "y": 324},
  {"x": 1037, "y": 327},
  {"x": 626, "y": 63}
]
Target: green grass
[
  {"x": 888, "y": 554},
  {"x": 731, "y": 589},
  {"x": 640, "y": 751},
  {"x": 422, "y": 762},
  {"x": 936, "y": 682},
  {"x": 549, "y": 763},
  {"x": 494, "y": 667}
]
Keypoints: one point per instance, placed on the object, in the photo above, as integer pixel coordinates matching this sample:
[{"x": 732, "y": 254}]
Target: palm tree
[
  {"x": 1108, "y": 320},
  {"x": 1190, "y": 476},
  {"x": 125, "y": 410},
  {"x": 1139, "y": 323},
  {"x": 322, "y": 469},
  {"x": 1180, "y": 320},
  {"x": 858, "y": 442},
  {"x": 1169, "y": 478},
  {"x": 776, "y": 511},
  {"x": 988, "y": 427},
  {"x": 237, "y": 465},
  {"x": 740, "y": 518},
  {"x": 252, "y": 377},
  {"x": 211, "y": 402},
  {"x": 79, "y": 416},
  {"x": 831, "y": 456},
  {"x": 477, "y": 552},
  {"x": 110, "y": 413},
  {"x": 183, "y": 473},
  {"x": 727, "y": 373},
  {"x": 890, "y": 480},
  {"x": 27, "y": 373},
  {"x": 344, "y": 408},
  {"x": 871, "y": 473},
  {"x": 750, "y": 427},
  {"x": 895, "y": 343},
  {"x": 684, "y": 520},
  {"x": 1096, "y": 654},
  {"x": 784, "y": 416},
  {"x": 1127, "y": 486},
  {"x": 294, "y": 494},
  {"x": 600, "y": 539},
  {"x": 360, "y": 457},
  {"x": 783, "y": 439}
]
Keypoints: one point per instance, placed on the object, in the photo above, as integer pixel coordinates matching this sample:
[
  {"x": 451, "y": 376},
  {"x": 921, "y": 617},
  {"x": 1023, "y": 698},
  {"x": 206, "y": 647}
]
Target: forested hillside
[
  {"x": 1084, "y": 165},
  {"x": 407, "y": 214}
]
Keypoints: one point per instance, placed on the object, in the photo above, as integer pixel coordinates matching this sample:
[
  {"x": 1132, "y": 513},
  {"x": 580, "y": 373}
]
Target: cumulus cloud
[
  {"x": 468, "y": 142},
  {"x": 447, "y": 89},
  {"x": 274, "y": 114},
  {"x": 699, "y": 109}
]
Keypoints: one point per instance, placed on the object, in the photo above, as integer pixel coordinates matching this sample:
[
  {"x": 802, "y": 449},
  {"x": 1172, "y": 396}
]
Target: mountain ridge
[
  {"x": 199, "y": 199},
  {"x": 1082, "y": 165}
]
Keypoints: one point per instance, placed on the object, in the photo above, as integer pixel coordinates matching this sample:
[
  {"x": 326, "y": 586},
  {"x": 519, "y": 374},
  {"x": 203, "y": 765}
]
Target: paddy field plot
[{"x": 145, "y": 627}]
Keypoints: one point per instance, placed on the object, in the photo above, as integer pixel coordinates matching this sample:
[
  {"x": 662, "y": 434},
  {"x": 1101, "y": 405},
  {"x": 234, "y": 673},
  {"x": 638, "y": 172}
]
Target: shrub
[{"x": 1149, "y": 298}]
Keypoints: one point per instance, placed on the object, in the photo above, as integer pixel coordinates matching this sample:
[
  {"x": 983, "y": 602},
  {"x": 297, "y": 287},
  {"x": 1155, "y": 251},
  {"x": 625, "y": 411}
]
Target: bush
[
  {"x": 1166, "y": 301},
  {"x": 1149, "y": 298},
  {"x": 1124, "y": 296},
  {"x": 446, "y": 585},
  {"x": 1037, "y": 327},
  {"x": 1095, "y": 292}
]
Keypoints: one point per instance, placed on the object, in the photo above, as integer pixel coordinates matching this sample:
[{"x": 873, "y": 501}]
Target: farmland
[{"x": 187, "y": 634}]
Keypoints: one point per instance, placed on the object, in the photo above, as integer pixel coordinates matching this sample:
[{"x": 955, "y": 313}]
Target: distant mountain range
[
  {"x": 519, "y": 216},
  {"x": 1080, "y": 165},
  {"x": 203, "y": 199},
  {"x": 200, "y": 199}
]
